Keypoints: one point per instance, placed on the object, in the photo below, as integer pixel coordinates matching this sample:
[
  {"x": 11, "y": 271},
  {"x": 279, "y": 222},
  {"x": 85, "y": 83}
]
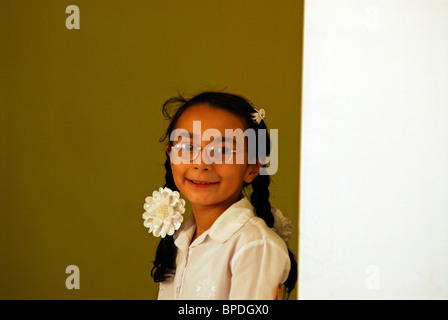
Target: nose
[
  {"x": 201, "y": 167},
  {"x": 199, "y": 163}
]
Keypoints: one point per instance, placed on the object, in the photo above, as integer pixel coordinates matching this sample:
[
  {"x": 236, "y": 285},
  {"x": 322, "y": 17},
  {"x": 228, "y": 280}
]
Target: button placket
[{"x": 179, "y": 288}]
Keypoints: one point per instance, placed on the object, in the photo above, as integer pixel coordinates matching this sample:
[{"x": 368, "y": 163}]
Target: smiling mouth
[{"x": 199, "y": 182}]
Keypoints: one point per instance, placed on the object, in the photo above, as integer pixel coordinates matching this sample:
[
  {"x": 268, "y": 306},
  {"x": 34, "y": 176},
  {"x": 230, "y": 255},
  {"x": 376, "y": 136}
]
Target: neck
[{"x": 206, "y": 215}]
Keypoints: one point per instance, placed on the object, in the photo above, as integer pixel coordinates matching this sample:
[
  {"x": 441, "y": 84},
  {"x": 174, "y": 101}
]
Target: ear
[
  {"x": 252, "y": 172},
  {"x": 168, "y": 149}
]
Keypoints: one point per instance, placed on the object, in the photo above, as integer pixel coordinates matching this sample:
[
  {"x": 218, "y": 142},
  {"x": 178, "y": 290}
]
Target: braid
[
  {"x": 260, "y": 199},
  {"x": 169, "y": 180},
  {"x": 290, "y": 282},
  {"x": 165, "y": 261}
]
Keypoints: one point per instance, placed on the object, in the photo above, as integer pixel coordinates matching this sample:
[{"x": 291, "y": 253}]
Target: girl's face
[{"x": 224, "y": 181}]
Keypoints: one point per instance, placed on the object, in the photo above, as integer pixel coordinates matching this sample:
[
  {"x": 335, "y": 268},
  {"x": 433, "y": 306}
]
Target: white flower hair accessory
[
  {"x": 282, "y": 225},
  {"x": 163, "y": 212},
  {"x": 258, "y": 115}
]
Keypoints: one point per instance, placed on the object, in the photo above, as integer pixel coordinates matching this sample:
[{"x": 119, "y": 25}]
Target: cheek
[
  {"x": 233, "y": 173},
  {"x": 178, "y": 171}
]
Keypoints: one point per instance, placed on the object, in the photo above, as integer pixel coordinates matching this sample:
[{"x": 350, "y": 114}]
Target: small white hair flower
[
  {"x": 163, "y": 212},
  {"x": 282, "y": 225},
  {"x": 258, "y": 115}
]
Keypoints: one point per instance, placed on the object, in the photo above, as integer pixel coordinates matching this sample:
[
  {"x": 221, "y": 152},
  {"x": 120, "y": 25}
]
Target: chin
[{"x": 203, "y": 200}]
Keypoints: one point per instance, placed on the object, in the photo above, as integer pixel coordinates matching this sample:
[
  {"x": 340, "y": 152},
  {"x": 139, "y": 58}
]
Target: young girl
[{"x": 227, "y": 248}]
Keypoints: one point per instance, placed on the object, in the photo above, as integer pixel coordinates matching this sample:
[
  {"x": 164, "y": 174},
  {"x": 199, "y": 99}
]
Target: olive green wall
[{"x": 80, "y": 123}]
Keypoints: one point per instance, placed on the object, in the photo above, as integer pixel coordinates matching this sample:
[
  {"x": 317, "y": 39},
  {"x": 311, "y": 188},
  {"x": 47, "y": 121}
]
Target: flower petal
[
  {"x": 171, "y": 230},
  {"x": 156, "y": 231},
  {"x": 163, "y": 212}
]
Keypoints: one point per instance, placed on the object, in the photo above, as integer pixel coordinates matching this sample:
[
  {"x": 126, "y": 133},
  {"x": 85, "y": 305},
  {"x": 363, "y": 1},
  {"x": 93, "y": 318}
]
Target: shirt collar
[
  {"x": 183, "y": 236},
  {"x": 229, "y": 222}
]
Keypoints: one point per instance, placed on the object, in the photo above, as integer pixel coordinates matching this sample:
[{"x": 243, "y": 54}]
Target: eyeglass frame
[{"x": 199, "y": 150}]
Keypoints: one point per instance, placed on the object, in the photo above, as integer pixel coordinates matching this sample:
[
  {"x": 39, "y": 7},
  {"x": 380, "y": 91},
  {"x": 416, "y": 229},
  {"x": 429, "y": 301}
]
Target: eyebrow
[
  {"x": 185, "y": 134},
  {"x": 191, "y": 135},
  {"x": 230, "y": 140}
]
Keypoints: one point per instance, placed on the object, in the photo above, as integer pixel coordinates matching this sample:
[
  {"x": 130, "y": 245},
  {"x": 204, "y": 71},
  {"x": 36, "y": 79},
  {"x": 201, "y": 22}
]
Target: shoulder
[
  {"x": 255, "y": 234},
  {"x": 258, "y": 248}
]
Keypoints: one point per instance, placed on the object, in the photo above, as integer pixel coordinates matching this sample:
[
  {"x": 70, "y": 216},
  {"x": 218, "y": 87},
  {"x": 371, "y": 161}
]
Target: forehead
[{"x": 210, "y": 118}]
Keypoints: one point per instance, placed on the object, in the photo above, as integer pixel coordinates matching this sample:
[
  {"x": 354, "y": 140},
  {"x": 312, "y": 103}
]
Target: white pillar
[{"x": 374, "y": 170}]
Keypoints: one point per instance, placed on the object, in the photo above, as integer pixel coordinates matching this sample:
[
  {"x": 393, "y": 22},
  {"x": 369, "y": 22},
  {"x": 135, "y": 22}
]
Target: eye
[
  {"x": 188, "y": 147},
  {"x": 224, "y": 150},
  {"x": 185, "y": 146}
]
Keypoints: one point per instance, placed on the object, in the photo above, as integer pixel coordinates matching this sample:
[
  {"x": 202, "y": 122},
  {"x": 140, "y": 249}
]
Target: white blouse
[{"x": 239, "y": 257}]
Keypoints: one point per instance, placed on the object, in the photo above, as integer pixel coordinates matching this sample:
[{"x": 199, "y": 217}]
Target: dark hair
[{"x": 165, "y": 260}]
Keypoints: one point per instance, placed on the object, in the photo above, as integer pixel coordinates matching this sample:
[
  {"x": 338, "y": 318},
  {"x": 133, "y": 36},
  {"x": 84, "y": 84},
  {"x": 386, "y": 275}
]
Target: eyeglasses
[{"x": 187, "y": 152}]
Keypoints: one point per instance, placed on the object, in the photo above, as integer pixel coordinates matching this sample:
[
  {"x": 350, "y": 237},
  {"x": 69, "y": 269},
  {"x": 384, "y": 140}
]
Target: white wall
[{"x": 374, "y": 175}]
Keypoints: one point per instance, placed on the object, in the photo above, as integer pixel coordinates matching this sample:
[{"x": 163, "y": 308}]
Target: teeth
[{"x": 198, "y": 182}]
